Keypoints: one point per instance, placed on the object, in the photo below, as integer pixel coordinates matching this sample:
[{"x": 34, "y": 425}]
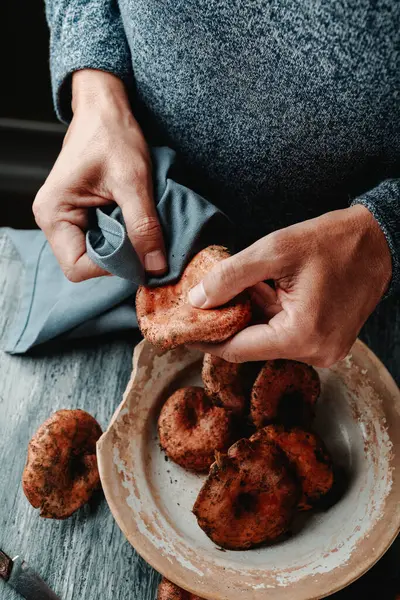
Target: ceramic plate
[{"x": 151, "y": 498}]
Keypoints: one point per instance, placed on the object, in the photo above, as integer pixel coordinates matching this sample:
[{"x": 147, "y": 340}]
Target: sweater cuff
[
  {"x": 383, "y": 202},
  {"x": 85, "y": 36}
]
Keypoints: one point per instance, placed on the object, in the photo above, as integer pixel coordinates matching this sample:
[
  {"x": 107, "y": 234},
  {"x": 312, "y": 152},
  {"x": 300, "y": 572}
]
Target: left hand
[{"x": 329, "y": 272}]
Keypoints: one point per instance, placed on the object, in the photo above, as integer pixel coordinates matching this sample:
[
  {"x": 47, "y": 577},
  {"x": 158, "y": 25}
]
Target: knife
[{"x": 23, "y": 579}]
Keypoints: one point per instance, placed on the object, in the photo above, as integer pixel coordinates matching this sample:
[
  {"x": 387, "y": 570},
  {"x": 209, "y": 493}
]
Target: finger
[
  {"x": 233, "y": 275},
  {"x": 68, "y": 243},
  {"x": 258, "y": 342},
  {"x": 141, "y": 220},
  {"x": 266, "y": 300},
  {"x": 63, "y": 223},
  {"x": 269, "y": 341}
]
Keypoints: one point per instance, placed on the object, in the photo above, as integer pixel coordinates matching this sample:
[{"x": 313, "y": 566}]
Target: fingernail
[
  {"x": 155, "y": 261},
  {"x": 197, "y": 296}
]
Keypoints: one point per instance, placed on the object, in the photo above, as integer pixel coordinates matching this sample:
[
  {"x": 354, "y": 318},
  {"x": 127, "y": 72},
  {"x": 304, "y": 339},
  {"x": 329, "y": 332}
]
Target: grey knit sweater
[{"x": 280, "y": 110}]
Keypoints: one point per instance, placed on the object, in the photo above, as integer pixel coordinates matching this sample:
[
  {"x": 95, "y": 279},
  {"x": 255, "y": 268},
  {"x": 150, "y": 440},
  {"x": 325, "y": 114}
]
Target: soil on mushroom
[
  {"x": 192, "y": 428},
  {"x": 285, "y": 391},
  {"x": 249, "y": 497},
  {"x": 223, "y": 382},
  {"x": 167, "y": 319},
  {"x": 169, "y": 591},
  {"x": 61, "y": 470},
  {"x": 309, "y": 457}
]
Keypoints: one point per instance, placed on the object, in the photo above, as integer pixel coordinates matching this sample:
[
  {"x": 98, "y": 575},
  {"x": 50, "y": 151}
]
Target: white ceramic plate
[{"x": 358, "y": 417}]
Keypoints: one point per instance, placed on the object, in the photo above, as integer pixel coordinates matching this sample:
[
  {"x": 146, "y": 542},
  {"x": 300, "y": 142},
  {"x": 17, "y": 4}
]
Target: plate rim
[{"x": 135, "y": 537}]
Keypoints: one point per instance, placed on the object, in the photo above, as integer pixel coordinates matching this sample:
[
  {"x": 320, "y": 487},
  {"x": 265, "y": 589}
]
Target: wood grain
[{"x": 87, "y": 557}]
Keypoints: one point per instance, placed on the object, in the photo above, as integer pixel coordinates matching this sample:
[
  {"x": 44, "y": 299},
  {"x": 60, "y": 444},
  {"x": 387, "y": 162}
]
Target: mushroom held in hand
[
  {"x": 191, "y": 428},
  {"x": 167, "y": 320},
  {"x": 284, "y": 391},
  {"x": 169, "y": 591},
  {"x": 223, "y": 383},
  {"x": 249, "y": 496},
  {"x": 309, "y": 457},
  {"x": 61, "y": 471}
]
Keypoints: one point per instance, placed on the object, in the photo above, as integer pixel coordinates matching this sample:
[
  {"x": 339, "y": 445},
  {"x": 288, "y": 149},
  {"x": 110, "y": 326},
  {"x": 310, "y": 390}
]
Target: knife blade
[{"x": 23, "y": 579}]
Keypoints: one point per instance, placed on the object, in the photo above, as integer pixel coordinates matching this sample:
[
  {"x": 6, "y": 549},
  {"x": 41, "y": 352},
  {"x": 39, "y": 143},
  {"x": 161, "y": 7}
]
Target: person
[{"x": 284, "y": 114}]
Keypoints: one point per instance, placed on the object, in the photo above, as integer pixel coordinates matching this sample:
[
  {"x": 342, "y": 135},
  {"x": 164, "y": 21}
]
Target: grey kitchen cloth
[{"x": 53, "y": 307}]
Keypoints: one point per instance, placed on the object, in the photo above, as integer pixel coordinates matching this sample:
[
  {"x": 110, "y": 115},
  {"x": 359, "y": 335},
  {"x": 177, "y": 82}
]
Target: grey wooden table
[{"x": 87, "y": 557}]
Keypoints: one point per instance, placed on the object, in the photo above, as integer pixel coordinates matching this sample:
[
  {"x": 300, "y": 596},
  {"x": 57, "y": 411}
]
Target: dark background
[
  {"x": 30, "y": 136},
  {"x": 29, "y": 96}
]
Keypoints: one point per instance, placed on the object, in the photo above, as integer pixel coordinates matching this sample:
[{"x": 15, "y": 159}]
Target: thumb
[
  {"x": 233, "y": 275},
  {"x": 143, "y": 227}
]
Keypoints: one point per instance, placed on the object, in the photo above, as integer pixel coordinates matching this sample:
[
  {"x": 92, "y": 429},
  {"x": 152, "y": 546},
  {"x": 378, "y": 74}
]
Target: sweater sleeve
[
  {"x": 383, "y": 202},
  {"x": 84, "y": 34}
]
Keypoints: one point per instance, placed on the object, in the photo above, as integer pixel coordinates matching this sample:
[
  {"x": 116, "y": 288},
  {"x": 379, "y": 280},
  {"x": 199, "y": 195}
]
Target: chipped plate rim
[{"x": 117, "y": 476}]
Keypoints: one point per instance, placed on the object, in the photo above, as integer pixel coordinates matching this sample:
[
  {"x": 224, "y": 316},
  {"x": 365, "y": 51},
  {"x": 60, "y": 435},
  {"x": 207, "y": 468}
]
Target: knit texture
[{"x": 280, "y": 110}]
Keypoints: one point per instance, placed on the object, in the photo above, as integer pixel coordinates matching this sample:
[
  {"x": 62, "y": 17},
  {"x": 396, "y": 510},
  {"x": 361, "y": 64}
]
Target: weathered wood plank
[{"x": 87, "y": 557}]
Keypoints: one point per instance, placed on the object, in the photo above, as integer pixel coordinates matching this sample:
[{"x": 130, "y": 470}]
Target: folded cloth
[{"x": 53, "y": 307}]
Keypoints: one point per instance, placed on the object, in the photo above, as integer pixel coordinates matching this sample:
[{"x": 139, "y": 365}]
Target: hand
[
  {"x": 329, "y": 274},
  {"x": 104, "y": 158}
]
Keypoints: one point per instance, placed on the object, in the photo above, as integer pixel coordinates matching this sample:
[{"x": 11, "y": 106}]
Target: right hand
[{"x": 104, "y": 159}]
